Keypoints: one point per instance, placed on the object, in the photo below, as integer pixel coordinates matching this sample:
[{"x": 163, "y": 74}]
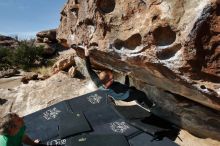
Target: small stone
[
  {"x": 63, "y": 64},
  {"x": 72, "y": 72}
]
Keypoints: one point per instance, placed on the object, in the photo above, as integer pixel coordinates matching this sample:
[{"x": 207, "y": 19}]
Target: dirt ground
[{"x": 8, "y": 83}]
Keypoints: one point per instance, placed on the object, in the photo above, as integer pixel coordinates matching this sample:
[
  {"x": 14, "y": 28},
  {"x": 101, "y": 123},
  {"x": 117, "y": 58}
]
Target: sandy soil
[{"x": 8, "y": 83}]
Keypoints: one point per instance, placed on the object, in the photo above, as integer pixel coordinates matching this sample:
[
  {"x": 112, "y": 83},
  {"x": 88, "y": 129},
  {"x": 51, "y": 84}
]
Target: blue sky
[{"x": 26, "y": 17}]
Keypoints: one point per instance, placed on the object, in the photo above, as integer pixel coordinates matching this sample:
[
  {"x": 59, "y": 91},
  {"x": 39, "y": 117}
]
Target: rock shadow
[
  {"x": 169, "y": 130},
  {"x": 79, "y": 75},
  {"x": 106, "y": 6},
  {"x": 148, "y": 122},
  {"x": 164, "y": 36},
  {"x": 131, "y": 43},
  {"x": 3, "y": 101}
]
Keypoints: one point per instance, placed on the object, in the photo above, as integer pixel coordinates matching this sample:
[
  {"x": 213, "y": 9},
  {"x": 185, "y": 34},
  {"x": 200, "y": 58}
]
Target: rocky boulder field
[{"x": 8, "y": 41}]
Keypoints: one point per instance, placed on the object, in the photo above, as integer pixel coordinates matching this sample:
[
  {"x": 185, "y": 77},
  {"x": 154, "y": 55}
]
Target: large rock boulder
[
  {"x": 9, "y": 72},
  {"x": 172, "y": 46},
  {"x": 63, "y": 64},
  {"x": 65, "y": 61},
  {"x": 47, "y": 39},
  {"x": 7, "y": 41},
  {"x": 47, "y": 36},
  {"x": 28, "y": 98},
  {"x": 29, "y": 76}
]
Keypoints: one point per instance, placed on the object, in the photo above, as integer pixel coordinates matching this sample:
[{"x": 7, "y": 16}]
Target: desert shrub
[
  {"x": 26, "y": 55},
  {"x": 4, "y": 53},
  {"x": 4, "y": 57}
]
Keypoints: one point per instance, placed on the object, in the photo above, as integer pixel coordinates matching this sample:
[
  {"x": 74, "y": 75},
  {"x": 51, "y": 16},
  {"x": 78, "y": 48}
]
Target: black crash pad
[
  {"x": 88, "y": 101},
  {"x": 148, "y": 140},
  {"x": 106, "y": 120},
  {"x": 43, "y": 124},
  {"x": 146, "y": 127},
  {"x": 155, "y": 126},
  {"x": 100, "y": 114},
  {"x": 56, "y": 141},
  {"x": 146, "y": 121},
  {"x": 119, "y": 126},
  {"x": 97, "y": 140},
  {"x": 72, "y": 123}
]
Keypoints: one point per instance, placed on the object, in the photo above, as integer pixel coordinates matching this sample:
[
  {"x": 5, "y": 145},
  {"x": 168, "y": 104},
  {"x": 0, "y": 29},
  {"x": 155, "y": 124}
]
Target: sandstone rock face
[
  {"x": 201, "y": 121},
  {"x": 28, "y": 98},
  {"x": 48, "y": 40},
  {"x": 47, "y": 36},
  {"x": 170, "y": 45},
  {"x": 7, "y": 41},
  {"x": 63, "y": 64}
]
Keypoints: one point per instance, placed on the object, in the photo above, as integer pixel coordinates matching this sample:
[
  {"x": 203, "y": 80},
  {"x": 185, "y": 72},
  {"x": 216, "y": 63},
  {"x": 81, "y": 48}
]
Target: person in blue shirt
[{"x": 105, "y": 81}]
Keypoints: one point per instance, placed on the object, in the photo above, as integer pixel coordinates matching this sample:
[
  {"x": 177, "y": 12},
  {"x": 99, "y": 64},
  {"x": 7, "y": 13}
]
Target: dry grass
[{"x": 45, "y": 71}]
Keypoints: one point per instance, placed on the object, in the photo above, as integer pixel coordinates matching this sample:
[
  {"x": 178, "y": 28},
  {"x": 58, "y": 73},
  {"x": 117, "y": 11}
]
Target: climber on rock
[{"x": 105, "y": 81}]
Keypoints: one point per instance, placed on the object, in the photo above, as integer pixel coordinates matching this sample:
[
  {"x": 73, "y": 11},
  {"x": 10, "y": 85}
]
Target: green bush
[
  {"x": 4, "y": 52},
  {"x": 26, "y": 55},
  {"x": 4, "y": 58}
]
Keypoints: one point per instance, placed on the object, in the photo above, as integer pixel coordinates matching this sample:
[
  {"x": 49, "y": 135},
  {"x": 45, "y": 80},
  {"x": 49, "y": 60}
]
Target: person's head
[
  {"x": 106, "y": 78},
  {"x": 10, "y": 124}
]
